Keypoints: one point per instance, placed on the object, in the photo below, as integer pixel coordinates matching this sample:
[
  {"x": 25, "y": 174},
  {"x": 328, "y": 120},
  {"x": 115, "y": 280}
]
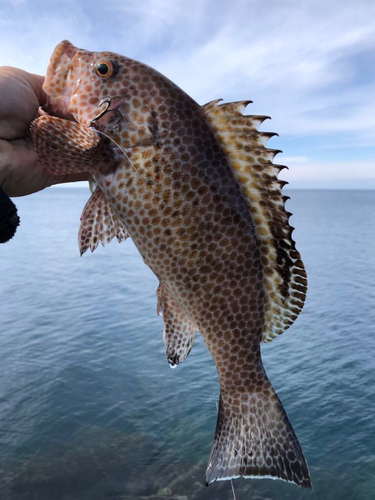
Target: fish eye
[{"x": 106, "y": 68}]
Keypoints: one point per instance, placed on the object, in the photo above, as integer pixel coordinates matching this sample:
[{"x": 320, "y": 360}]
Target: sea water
[{"x": 89, "y": 408}]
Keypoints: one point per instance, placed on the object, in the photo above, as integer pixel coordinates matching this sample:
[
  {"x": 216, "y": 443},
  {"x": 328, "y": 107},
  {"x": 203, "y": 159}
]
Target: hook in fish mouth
[{"x": 108, "y": 101}]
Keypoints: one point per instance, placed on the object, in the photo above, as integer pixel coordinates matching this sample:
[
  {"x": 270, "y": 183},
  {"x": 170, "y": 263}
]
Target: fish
[{"x": 197, "y": 191}]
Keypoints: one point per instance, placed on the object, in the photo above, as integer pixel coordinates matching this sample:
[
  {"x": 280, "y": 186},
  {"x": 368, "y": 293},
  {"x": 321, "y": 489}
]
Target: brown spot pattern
[
  {"x": 179, "y": 332},
  {"x": 285, "y": 276},
  {"x": 99, "y": 224},
  {"x": 258, "y": 441},
  {"x": 181, "y": 191},
  {"x": 66, "y": 147}
]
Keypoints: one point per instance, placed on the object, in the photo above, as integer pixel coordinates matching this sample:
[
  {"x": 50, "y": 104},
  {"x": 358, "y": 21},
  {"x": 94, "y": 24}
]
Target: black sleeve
[{"x": 9, "y": 220}]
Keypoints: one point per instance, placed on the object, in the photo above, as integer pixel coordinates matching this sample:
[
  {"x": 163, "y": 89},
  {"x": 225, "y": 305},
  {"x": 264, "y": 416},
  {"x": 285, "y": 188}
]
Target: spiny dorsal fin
[{"x": 284, "y": 273}]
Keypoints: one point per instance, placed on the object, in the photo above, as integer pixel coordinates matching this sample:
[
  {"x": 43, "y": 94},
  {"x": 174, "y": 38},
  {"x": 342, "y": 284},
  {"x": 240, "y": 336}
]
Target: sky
[{"x": 310, "y": 65}]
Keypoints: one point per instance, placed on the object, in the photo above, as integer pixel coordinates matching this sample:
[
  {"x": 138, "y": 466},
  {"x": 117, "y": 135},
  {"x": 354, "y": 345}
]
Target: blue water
[{"x": 89, "y": 408}]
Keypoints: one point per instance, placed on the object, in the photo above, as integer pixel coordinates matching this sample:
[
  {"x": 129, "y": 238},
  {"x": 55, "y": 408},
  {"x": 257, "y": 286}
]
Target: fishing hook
[{"x": 108, "y": 102}]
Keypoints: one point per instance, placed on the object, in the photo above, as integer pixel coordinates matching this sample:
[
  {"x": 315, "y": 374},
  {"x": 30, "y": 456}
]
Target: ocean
[{"x": 89, "y": 408}]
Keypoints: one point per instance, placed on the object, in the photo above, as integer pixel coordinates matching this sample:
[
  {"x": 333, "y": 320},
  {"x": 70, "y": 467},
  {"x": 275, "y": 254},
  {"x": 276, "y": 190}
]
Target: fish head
[{"x": 83, "y": 85}]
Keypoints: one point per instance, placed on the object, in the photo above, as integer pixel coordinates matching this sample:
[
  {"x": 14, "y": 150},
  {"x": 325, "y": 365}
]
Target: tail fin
[{"x": 254, "y": 438}]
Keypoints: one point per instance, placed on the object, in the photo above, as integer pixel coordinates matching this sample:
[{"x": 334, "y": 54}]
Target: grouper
[{"x": 196, "y": 189}]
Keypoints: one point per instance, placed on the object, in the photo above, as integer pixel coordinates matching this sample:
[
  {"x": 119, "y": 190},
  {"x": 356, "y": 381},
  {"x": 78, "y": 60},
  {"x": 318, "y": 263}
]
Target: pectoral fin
[
  {"x": 66, "y": 147},
  {"x": 179, "y": 330},
  {"x": 99, "y": 223}
]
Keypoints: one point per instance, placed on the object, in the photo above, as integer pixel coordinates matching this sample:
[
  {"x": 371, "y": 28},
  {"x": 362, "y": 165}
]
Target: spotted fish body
[{"x": 196, "y": 190}]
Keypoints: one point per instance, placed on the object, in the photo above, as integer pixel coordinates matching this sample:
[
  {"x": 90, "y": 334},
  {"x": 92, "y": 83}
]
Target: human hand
[{"x": 21, "y": 95}]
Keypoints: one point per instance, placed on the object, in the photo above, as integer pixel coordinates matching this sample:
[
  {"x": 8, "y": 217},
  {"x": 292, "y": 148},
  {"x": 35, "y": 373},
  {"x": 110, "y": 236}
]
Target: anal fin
[
  {"x": 99, "y": 223},
  {"x": 179, "y": 330}
]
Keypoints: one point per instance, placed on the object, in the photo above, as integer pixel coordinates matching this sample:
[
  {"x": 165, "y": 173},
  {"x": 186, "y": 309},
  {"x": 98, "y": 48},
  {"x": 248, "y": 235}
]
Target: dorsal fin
[{"x": 251, "y": 162}]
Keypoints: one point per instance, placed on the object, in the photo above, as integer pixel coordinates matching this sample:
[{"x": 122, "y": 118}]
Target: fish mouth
[
  {"x": 58, "y": 84},
  {"x": 66, "y": 73}
]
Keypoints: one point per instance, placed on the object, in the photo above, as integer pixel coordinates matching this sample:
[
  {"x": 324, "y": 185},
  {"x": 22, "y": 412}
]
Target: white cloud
[
  {"x": 297, "y": 69},
  {"x": 31, "y": 30},
  {"x": 309, "y": 65}
]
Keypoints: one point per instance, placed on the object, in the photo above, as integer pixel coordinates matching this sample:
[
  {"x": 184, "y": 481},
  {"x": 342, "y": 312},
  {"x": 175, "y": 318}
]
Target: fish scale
[{"x": 196, "y": 190}]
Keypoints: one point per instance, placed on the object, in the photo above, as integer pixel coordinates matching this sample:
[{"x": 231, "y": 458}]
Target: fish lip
[
  {"x": 69, "y": 49},
  {"x": 62, "y": 59},
  {"x": 64, "y": 50}
]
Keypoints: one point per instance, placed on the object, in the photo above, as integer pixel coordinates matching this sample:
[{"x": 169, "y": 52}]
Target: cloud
[
  {"x": 309, "y": 65},
  {"x": 297, "y": 67},
  {"x": 30, "y": 31}
]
